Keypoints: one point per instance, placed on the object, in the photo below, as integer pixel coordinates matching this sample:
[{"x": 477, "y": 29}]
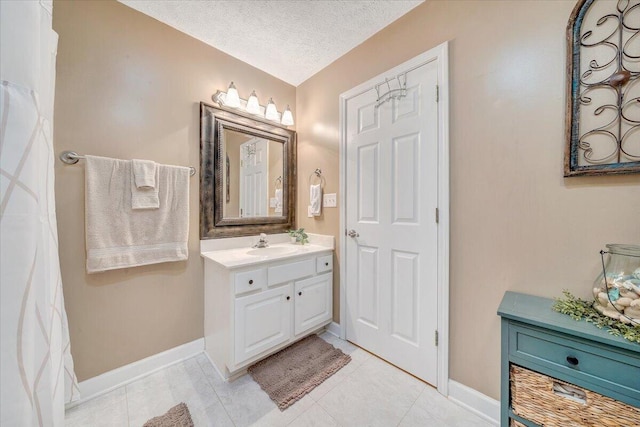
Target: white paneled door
[
  {"x": 392, "y": 233},
  {"x": 254, "y": 172}
]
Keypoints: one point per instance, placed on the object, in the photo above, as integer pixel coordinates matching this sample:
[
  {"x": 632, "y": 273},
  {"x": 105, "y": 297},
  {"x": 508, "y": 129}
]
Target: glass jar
[{"x": 617, "y": 288}]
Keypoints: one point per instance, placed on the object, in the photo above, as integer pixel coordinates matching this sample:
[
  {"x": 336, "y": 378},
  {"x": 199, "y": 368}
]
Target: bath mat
[
  {"x": 293, "y": 372},
  {"x": 178, "y": 416}
]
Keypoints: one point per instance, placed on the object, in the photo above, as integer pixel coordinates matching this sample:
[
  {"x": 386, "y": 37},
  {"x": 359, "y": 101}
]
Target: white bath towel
[
  {"x": 144, "y": 173},
  {"x": 118, "y": 236},
  {"x": 144, "y": 196},
  {"x": 315, "y": 199},
  {"x": 278, "y": 200}
]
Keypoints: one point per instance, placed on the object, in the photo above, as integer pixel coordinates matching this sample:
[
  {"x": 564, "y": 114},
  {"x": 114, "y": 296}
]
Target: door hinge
[
  {"x": 436, "y": 338},
  {"x": 437, "y": 93},
  {"x": 437, "y": 216}
]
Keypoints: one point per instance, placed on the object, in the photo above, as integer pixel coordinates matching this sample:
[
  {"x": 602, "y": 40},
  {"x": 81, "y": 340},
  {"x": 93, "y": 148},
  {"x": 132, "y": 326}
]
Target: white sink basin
[{"x": 272, "y": 251}]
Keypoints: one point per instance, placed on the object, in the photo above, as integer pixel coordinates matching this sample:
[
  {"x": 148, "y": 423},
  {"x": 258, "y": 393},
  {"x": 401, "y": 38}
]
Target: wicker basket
[
  {"x": 515, "y": 423},
  {"x": 533, "y": 398}
]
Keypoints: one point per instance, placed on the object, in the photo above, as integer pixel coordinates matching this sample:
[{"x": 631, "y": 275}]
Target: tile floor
[{"x": 366, "y": 392}]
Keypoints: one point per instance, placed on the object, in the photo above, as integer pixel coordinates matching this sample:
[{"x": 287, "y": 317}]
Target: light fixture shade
[
  {"x": 253, "y": 106},
  {"x": 232, "y": 99},
  {"x": 272, "y": 112},
  {"x": 287, "y": 117}
]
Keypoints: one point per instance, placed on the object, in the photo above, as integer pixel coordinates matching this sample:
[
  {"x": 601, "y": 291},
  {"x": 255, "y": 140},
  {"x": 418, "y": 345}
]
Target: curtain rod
[{"x": 71, "y": 158}]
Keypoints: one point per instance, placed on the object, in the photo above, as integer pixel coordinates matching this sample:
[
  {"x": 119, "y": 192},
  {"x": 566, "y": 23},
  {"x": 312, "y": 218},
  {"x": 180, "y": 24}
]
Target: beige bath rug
[
  {"x": 178, "y": 416},
  {"x": 293, "y": 372}
]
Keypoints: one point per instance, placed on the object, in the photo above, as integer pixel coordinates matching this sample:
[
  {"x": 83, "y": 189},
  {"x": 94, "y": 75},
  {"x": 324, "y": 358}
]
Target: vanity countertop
[{"x": 242, "y": 257}]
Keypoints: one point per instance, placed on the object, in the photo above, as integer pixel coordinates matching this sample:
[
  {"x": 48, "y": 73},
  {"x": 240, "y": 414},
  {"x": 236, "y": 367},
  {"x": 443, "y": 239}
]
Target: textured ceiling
[{"x": 289, "y": 39}]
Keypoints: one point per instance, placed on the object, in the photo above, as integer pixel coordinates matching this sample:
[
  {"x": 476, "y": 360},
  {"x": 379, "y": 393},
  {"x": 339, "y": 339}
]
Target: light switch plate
[
  {"x": 273, "y": 202},
  {"x": 309, "y": 214},
  {"x": 330, "y": 200}
]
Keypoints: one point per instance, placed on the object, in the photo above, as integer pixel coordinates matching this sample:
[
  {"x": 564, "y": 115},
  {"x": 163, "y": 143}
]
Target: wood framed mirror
[{"x": 247, "y": 175}]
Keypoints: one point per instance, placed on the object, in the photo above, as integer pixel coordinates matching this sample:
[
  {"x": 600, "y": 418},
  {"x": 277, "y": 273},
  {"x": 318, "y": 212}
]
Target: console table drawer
[{"x": 583, "y": 361}]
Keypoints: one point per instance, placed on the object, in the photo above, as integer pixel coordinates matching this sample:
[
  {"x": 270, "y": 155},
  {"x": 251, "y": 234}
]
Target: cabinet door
[
  {"x": 262, "y": 321},
  {"x": 314, "y": 302}
]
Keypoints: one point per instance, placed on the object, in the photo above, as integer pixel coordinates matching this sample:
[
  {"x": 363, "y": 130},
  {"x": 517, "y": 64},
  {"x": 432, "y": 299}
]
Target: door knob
[{"x": 353, "y": 233}]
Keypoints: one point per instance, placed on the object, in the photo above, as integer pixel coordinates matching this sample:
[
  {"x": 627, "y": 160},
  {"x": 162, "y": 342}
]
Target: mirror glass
[
  {"x": 247, "y": 174},
  {"x": 253, "y": 175}
]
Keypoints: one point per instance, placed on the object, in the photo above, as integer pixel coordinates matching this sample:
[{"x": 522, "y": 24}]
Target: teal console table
[{"x": 558, "y": 371}]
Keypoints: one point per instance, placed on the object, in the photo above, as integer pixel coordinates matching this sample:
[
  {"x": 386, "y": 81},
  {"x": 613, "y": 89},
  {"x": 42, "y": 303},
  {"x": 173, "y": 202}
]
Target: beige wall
[
  {"x": 516, "y": 223},
  {"x": 128, "y": 87}
]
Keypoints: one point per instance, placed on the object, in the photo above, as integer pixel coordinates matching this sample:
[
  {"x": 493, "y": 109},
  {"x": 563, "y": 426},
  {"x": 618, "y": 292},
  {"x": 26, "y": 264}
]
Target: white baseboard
[
  {"x": 476, "y": 402},
  {"x": 104, "y": 383},
  {"x": 334, "y": 329}
]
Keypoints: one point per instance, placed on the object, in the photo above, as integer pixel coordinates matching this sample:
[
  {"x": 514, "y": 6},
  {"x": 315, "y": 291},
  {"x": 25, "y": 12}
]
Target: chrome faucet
[{"x": 262, "y": 243}]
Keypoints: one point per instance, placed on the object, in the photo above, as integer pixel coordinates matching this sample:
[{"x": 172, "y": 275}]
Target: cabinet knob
[
  {"x": 251, "y": 282},
  {"x": 573, "y": 360},
  {"x": 326, "y": 264},
  {"x": 288, "y": 298},
  {"x": 300, "y": 293}
]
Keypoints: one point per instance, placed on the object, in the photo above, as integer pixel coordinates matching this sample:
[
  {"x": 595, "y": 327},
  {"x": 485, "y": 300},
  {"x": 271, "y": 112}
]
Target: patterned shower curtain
[{"x": 36, "y": 369}]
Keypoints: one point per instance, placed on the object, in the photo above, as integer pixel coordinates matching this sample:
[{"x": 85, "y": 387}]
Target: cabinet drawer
[
  {"x": 291, "y": 271},
  {"x": 597, "y": 365},
  {"x": 248, "y": 281},
  {"x": 324, "y": 263}
]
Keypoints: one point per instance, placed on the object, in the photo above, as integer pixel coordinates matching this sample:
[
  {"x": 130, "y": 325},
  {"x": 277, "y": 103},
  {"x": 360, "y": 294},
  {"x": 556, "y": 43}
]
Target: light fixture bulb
[
  {"x": 272, "y": 112},
  {"x": 287, "y": 117},
  {"x": 253, "y": 106},
  {"x": 232, "y": 99}
]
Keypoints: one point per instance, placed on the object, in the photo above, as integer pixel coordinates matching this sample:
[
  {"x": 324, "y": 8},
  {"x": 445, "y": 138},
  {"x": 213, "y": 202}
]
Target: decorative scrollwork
[{"x": 604, "y": 95}]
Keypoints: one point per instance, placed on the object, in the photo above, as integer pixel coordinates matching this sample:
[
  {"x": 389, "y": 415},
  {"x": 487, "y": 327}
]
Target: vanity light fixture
[
  {"x": 231, "y": 99},
  {"x": 271, "y": 112},
  {"x": 253, "y": 106},
  {"x": 287, "y": 117}
]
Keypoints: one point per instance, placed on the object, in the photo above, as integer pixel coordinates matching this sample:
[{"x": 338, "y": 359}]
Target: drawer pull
[
  {"x": 251, "y": 282},
  {"x": 573, "y": 393},
  {"x": 326, "y": 264},
  {"x": 288, "y": 298},
  {"x": 573, "y": 360},
  {"x": 300, "y": 293}
]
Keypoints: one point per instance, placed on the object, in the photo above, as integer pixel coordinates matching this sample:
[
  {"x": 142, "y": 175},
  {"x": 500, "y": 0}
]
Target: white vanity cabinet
[{"x": 254, "y": 310}]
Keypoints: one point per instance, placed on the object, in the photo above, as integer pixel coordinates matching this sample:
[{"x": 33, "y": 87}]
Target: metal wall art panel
[{"x": 603, "y": 88}]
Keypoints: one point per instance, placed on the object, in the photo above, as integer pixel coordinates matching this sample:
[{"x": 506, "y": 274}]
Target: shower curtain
[{"x": 36, "y": 369}]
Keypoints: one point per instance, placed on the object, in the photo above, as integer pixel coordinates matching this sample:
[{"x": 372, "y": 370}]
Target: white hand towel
[
  {"x": 278, "y": 200},
  {"x": 118, "y": 236},
  {"x": 144, "y": 172},
  {"x": 144, "y": 197},
  {"x": 315, "y": 199}
]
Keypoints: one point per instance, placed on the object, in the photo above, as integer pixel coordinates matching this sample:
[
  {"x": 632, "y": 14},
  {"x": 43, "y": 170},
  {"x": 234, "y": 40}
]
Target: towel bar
[{"x": 71, "y": 158}]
